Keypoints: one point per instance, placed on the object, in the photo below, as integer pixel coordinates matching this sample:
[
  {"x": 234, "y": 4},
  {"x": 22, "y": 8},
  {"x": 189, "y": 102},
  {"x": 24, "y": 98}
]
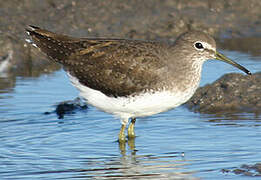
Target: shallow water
[{"x": 172, "y": 145}]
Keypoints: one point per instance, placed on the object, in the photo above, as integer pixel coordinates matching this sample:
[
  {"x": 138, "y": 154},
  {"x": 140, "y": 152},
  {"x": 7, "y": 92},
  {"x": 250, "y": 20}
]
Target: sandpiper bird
[{"x": 131, "y": 78}]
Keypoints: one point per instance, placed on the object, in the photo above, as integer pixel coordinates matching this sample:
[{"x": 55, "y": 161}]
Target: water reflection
[
  {"x": 233, "y": 119},
  {"x": 166, "y": 166},
  {"x": 132, "y": 167},
  {"x": 7, "y": 84},
  {"x": 131, "y": 145}
]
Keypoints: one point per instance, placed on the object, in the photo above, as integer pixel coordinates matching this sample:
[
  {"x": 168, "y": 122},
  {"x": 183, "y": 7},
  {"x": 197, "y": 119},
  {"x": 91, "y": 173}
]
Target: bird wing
[{"x": 116, "y": 67}]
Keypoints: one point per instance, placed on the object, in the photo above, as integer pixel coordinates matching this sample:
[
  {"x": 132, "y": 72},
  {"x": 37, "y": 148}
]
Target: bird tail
[{"x": 56, "y": 46}]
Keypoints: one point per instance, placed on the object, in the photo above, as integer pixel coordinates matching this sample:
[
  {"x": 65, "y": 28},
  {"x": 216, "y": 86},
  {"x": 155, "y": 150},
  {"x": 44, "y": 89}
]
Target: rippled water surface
[{"x": 172, "y": 145}]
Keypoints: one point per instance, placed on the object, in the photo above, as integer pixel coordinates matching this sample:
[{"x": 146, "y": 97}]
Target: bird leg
[
  {"x": 122, "y": 134},
  {"x": 131, "y": 133}
]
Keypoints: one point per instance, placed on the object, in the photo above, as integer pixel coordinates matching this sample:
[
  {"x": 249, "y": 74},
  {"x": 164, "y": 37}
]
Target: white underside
[{"x": 126, "y": 107}]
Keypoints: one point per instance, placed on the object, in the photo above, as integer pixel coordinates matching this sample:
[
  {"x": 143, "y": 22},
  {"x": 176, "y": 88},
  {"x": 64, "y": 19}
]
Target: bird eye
[{"x": 199, "y": 46}]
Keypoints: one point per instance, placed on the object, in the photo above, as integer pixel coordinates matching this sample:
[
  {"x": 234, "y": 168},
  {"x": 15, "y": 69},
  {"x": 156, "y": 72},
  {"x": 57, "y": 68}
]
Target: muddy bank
[
  {"x": 230, "y": 93},
  {"x": 133, "y": 19}
]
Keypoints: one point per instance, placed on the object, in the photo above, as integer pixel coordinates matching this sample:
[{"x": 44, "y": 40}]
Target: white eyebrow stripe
[{"x": 207, "y": 46}]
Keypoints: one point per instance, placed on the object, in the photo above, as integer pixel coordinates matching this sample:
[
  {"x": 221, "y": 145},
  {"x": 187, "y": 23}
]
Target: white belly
[{"x": 126, "y": 107}]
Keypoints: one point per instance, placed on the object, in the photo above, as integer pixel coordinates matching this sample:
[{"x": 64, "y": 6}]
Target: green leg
[
  {"x": 131, "y": 133},
  {"x": 131, "y": 144},
  {"x": 122, "y": 134},
  {"x": 122, "y": 147}
]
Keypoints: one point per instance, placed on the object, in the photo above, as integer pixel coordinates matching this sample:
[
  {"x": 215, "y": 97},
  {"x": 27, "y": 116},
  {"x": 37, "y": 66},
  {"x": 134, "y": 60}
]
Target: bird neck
[{"x": 187, "y": 71}]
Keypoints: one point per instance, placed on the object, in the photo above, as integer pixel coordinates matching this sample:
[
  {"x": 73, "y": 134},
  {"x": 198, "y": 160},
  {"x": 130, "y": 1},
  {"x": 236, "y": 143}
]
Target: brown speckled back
[{"x": 116, "y": 67}]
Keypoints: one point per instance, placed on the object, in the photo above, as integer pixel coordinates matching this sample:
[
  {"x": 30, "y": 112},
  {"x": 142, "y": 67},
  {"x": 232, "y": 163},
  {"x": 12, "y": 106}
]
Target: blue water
[{"x": 172, "y": 145}]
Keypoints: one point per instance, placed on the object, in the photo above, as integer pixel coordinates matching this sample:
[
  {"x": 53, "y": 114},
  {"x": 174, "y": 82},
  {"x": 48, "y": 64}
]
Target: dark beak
[{"x": 222, "y": 57}]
